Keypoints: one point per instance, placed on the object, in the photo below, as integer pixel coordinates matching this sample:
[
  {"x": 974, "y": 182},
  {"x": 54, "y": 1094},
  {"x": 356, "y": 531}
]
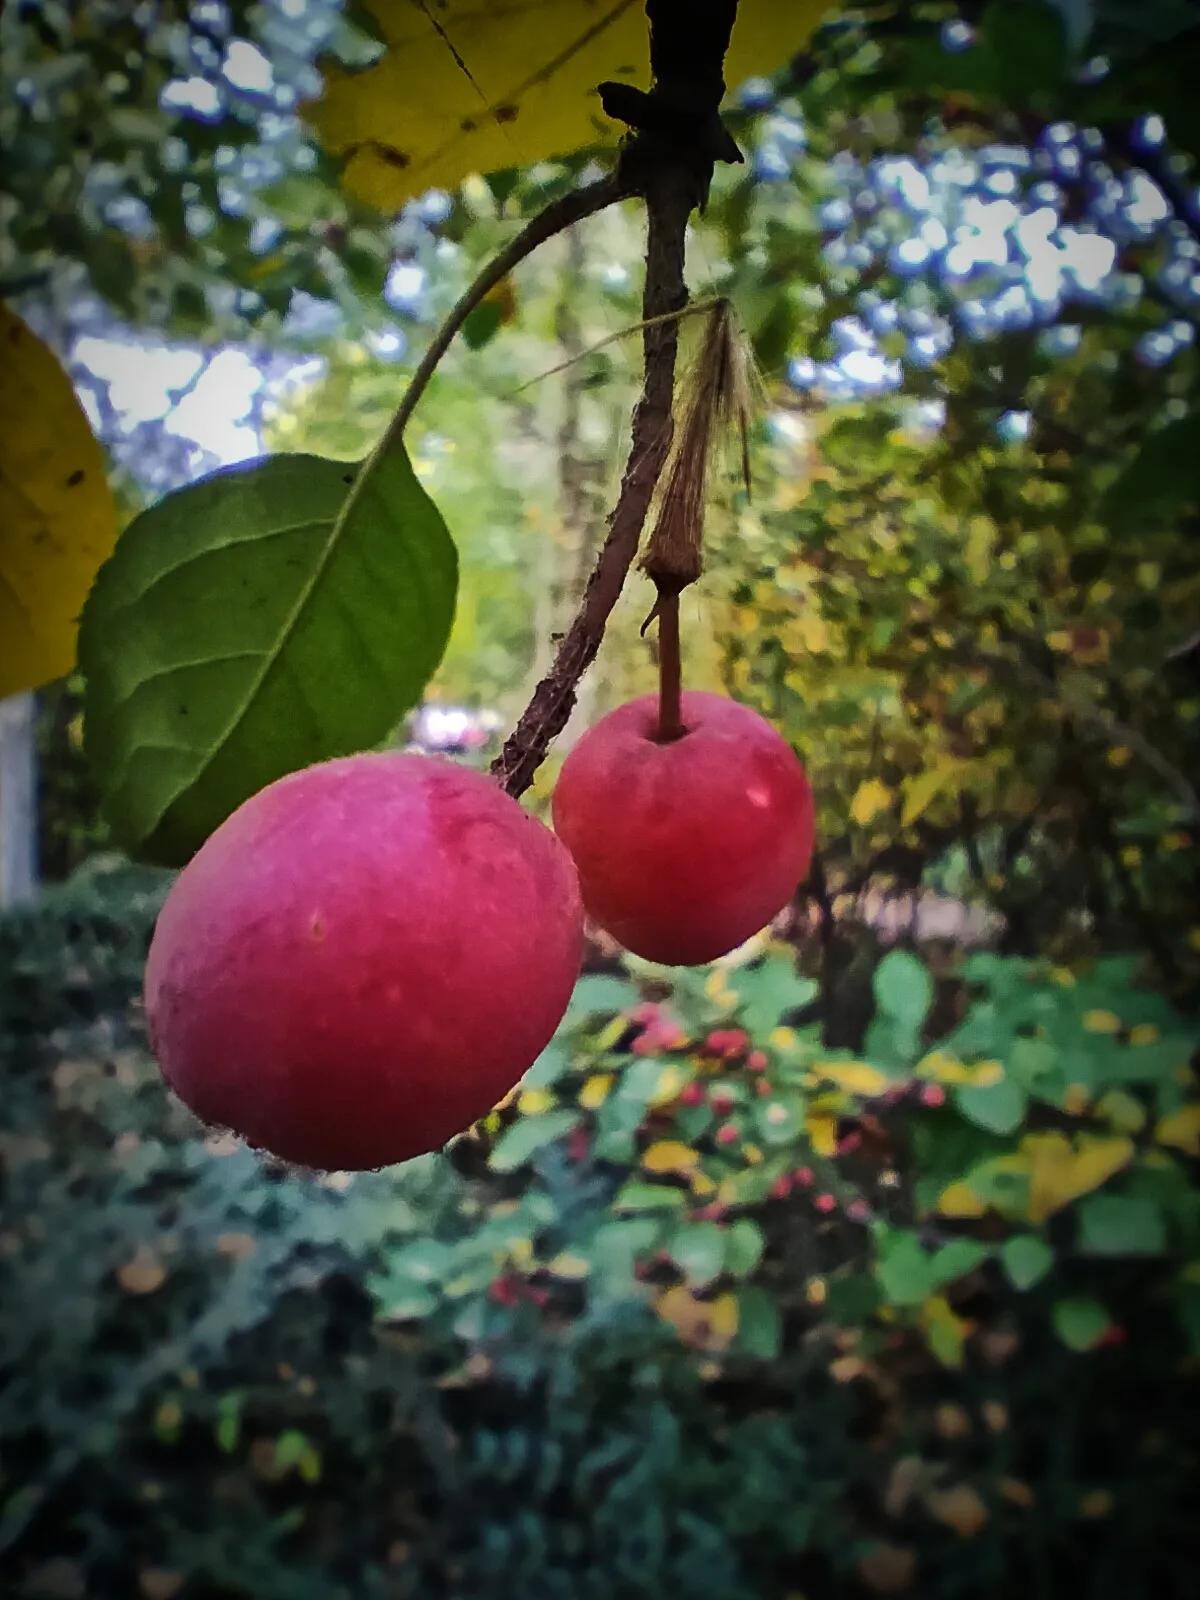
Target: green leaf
[
  {"x": 998, "y": 1107},
  {"x": 244, "y": 627},
  {"x": 903, "y": 990},
  {"x": 597, "y": 994},
  {"x": 909, "y": 1274},
  {"x": 698, "y": 1249},
  {"x": 1026, "y": 1259},
  {"x": 527, "y": 1136},
  {"x": 760, "y": 1329},
  {"x": 743, "y": 1247},
  {"x": 1116, "y": 1225},
  {"x": 1080, "y": 1323},
  {"x": 766, "y": 990},
  {"x": 636, "y": 1196},
  {"x": 1161, "y": 479}
]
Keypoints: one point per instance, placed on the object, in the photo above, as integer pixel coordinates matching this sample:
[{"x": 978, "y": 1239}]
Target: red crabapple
[
  {"x": 362, "y": 960},
  {"x": 685, "y": 848}
]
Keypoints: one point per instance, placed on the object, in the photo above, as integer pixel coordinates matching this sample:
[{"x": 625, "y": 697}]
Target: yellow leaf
[
  {"x": 669, "y": 1155},
  {"x": 856, "y": 1077},
  {"x": 782, "y": 1038},
  {"x": 1061, "y": 1171},
  {"x": 921, "y": 791},
  {"x": 701, "y": 1184},
  {"x": 716, "y": 987},
  {"x": 569, "y": 1266},
  {"x": 959, "y": 1200},
  {"x": 532, "y": 1102},
  {"x": 476, "y": 90},
  {"x": 870, "y": 799},
  {"x": 670, "y": 1081},
  {"x": 57, "y": 517},
  {"x": 1181, "y": 1130},
  {"x": 595, "y": 1090},
  {"x": 704, "y": 1324},
  {"x": 822, "y": 1133},
  {"x": 1101, "y": 1022},
  {"x": 945, "y": 1330}
]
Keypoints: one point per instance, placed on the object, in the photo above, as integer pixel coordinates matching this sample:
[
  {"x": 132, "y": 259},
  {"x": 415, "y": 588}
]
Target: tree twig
[{"x": 670, "y": 195}]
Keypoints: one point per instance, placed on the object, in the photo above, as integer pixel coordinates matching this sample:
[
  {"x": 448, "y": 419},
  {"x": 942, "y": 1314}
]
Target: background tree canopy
[{"x": 922, "y": 1320}]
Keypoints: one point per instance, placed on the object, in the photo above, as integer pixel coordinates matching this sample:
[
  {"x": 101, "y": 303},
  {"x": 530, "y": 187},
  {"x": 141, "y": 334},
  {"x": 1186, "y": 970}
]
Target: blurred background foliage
[{"x": 866, "y": 1263}]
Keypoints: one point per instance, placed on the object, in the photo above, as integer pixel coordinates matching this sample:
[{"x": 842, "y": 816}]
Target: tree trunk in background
[{"x": 18, "y": 800}]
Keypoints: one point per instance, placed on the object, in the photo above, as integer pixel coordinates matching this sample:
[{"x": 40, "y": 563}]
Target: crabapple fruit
[
  {"x": 362, "y": 960},
  {"x": 685, "y": 848}
]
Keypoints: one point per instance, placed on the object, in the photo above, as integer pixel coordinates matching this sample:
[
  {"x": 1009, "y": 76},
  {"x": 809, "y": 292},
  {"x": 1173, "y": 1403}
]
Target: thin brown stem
[
  {"x": 670, "y": 193},
  {"x": 554, "y": 218},
  {"x": 670, "y": 671}
]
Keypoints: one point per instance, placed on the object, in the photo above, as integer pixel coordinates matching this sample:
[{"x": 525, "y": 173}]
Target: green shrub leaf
[
  {"x": 527, "y": 1136},
  {"x": 1026, "y": 1259},
  {"x": 245, "y": 627},
  {"x": 1119, "y": 1225}
]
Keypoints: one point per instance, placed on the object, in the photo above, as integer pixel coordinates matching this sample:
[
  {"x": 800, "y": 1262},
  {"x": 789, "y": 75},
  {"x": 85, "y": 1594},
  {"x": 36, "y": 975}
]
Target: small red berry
[
  {"x": 756, "y": 1061},
  {"x": 728, "y": 1133},
  {"x": 848, "y": 1143},
  {"x": 721, "y": 1101},
  {"x": 726, "y": 1042},
  {"x": 825, "y": 1203},
  {"x": 933, "y": 1095},
  {"x": 804, "y": 1177},
  {"x": 782, "y": 1187},
  {"x": 692, "y": 1094}
]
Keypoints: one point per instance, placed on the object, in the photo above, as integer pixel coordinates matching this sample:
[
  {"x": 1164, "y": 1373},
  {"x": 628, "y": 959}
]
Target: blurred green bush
[{"x": 706, "y": 1307}]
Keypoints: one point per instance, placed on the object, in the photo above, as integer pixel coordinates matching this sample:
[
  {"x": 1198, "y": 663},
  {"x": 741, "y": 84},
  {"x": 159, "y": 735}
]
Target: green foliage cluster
[{"x": 706, "y": 1305}]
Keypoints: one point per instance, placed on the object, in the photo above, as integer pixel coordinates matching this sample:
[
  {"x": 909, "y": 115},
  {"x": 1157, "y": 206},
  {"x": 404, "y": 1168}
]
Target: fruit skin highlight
[
  {"x": 362, "y": 960},
  {"x": 685, "y": 848}
]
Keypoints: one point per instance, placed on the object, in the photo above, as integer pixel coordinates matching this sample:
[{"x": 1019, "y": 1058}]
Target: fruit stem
[{"x": 670, "y": 672}]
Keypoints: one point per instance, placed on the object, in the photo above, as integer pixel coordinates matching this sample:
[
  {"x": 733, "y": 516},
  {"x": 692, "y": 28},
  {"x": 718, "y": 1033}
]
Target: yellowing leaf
[
  {"x": 1060, "y": 1171},
  {"x": 669, "y": 1155},
  {"x": 921, "y": 791},
  {"x": 57, "y": 517},
  {"x": 822, "y": 1133},
  {"x": 960, "y": 1508},
  {"x": 467, "y": 88},
  {"x": 870, "y": 799},
  {"x": 944, "y": 1067},
  {"x": 704, "y": 1324},
  {"x": 945, "y": 1330},
  {"x": 532, "y": 1102},
  {"x": 595, "y": 1090},
  {"x": 888, "y": 1568},
  {"x": 143, "y": 1273},
  {"x": 1122, "y": 1111},
  {"x": 1181, "y": 1130},
  {"x": 856, "y": 1077},
  {"x": 960, "y": 1200}
]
